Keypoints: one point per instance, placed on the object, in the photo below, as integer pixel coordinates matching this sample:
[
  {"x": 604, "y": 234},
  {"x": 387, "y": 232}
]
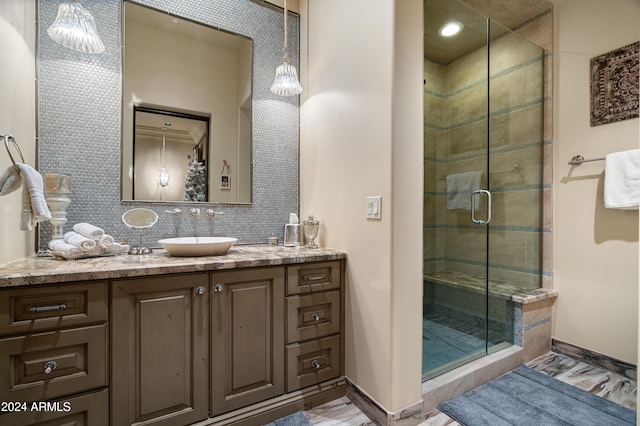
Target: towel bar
[
  {"x": 579, "y": 159},
  {"x": 9, "y": 138},
  {"x": 514, "y": 169}
]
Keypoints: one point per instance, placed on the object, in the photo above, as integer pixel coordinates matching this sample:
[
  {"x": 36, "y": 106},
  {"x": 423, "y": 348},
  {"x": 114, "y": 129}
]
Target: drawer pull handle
[
  {"x": 315, "y": 316},
  {"x": 37, "y": 309},
  {"x": 50, "y": 366},
  {"x": 200, "y": 290},
  {"x": 218, "y": 288},
  {"x": 315, "y": 364},
  {"x": 314, "y": 277}
]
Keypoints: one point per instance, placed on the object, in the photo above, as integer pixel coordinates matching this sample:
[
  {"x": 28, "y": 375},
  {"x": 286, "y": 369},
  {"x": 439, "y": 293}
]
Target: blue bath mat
[
  {"x": 526, "y": 397},
  {"x": 296, "y": 419}
]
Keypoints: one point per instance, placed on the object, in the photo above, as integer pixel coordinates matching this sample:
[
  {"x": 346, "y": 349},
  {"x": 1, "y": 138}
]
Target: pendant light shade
[
  {"x": 75, "y": 28},
  {"x": 286, "y": 82}
]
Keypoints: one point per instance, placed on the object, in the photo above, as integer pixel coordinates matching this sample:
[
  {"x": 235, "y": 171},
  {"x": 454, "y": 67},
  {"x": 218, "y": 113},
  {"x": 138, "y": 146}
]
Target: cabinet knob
[
  {"x": 218, "y": 288},
  {"x": 200, "y": 290},
  {"x": 315, "y": 316},
  {"x": 315, "y": 364},
  {"x": 50, "y": 366}
]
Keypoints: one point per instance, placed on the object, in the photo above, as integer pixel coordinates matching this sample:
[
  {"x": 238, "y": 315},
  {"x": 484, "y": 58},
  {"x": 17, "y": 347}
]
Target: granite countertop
[{"x": 46, "y": 270}]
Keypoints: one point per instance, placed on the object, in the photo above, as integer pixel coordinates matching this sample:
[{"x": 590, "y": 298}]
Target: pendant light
[
  {"x": 75, "y": 28},
  {"x": 163, "y": 176},
  {"x": 286, "y": 82}
]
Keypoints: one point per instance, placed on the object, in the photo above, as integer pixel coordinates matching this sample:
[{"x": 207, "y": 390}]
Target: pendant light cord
[{"x": 286, "y": 38}]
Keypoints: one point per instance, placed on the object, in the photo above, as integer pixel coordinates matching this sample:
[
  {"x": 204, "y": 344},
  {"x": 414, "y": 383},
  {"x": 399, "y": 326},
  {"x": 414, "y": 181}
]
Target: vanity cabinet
[
  {"x": 314, "y": 323},
  {"x": 53, "y": 354},
  {"x": 247, "y": 337},
  {"x": 239, "y": 340},
  {"x": 160, "y": 350}
]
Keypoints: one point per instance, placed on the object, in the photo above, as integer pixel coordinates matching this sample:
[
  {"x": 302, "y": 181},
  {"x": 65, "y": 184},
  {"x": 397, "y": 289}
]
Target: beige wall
[
  {"x": 17, "y": 114},
  {"x": 361, "y": 135},
  {"x": 596, "y": 249}
]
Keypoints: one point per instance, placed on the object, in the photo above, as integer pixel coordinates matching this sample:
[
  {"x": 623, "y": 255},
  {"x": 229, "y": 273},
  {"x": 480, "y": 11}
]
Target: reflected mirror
[{"x": 190, "y": 86}]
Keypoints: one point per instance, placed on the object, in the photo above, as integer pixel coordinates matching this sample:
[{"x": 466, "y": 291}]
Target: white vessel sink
[{"x": 197, "y": 246}]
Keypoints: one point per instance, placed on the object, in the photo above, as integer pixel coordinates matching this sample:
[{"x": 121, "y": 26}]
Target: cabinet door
[
  {"x": 247, "y": 337},
  {"x": 159, "y": 354}
]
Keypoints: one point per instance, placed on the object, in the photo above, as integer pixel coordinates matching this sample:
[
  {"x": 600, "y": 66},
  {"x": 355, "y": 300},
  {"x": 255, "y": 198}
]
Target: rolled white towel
[
  {"x": 106, "y": 241},
  {"x": 79, "y": 241},
  {"x": 63, "y": 246},
  {"x": 88, "y": 230}
]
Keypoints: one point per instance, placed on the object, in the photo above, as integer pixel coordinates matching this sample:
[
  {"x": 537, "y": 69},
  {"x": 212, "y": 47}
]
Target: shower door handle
[{"x": 475, "y": 194}]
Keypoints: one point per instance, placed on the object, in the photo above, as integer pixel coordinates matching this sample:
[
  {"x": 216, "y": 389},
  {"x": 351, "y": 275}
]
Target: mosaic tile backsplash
[{"x": 79, "y": 124}]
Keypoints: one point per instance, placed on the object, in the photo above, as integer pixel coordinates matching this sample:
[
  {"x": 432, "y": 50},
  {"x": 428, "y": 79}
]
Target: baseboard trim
[
  {"x": 275, "y": 408},
  {"x": 410, "y": 415},
  {"x": 594, "y": 358}
]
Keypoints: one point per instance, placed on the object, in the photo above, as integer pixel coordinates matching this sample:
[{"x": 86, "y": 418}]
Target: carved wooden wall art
[{"x": 614, "y": 85}]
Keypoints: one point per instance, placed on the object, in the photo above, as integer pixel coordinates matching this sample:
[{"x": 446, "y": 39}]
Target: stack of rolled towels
[{"x": 86, "y": 240}]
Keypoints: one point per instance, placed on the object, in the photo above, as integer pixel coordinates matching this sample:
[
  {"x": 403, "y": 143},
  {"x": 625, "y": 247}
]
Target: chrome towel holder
[
  {"x": 579, "y": 159},
  {"x": 10, "y": 139}
]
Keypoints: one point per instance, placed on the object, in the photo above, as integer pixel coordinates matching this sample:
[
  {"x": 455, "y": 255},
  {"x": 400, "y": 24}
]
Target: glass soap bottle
[{"x": 310, "y": 232}]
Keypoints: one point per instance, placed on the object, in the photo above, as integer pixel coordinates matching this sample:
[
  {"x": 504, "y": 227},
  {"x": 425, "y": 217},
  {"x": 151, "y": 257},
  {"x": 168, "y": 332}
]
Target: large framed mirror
[{"x": 182, "y": 81}]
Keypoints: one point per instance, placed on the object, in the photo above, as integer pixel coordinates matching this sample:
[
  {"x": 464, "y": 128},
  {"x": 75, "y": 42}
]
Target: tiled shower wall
[
  {"x": 79, "y": 123},
  {"x": 455, "y": 141}
]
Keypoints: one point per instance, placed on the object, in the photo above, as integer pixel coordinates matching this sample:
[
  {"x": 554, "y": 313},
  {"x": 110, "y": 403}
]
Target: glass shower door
[
  {"x": 483, "y": 145},
  {"x": 457, "y": 205}
]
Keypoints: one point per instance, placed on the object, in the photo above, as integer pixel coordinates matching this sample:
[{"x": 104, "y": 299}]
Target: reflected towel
[
  {"x": 10, "y": 181},
  {"x": 34, "y": 206},
  {"x": 622, "y": 180},
  {"x": 459, "y": 189},
  {"x": 88, "y": 230},
  {"x": 79, "y": 241}
]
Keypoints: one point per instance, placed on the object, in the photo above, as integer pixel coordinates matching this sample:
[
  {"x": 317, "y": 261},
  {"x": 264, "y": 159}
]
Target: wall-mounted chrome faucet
[
  {"x": 174, "y": 212},
  {"x": 194, "y": 212}
]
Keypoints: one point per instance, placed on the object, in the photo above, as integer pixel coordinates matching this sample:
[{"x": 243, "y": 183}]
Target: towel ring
[{"x": 9, "y": 138}]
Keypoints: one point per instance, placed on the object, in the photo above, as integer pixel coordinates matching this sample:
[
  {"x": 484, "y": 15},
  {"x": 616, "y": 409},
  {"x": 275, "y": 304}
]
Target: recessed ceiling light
[{"x": 450, "y": 29}]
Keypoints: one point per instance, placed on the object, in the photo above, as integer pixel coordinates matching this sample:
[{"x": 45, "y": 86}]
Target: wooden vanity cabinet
[
  {"x": 247, "y": 337},
  {"x": 160, "y": 350},
  {"x": 53, "y": 353}
]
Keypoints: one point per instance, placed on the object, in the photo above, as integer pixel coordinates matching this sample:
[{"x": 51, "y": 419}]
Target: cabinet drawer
[
  {"x": 312, "y": 362},
  {"x": 90, "y": 409},
  {"x": 313, "y": 315},
  {"x": 29, "y": 309},
  {"x": 312, "y": 277},
  {"x": 80, "y": 361}
]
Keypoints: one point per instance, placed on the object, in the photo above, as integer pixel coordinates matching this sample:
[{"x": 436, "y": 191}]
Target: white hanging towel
[
  {"x": 459, "y": 189},
  {"x": 622, "y": 180}
]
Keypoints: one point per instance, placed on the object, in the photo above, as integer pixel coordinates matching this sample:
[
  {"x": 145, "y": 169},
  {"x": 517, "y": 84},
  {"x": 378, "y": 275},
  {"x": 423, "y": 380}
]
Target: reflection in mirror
[
  {"x": 169, "y": 156},
  {"x": 185, "y": 69}
]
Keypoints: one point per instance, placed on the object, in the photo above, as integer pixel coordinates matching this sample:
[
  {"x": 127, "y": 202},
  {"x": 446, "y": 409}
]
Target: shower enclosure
[{"x": 483, "y": 143}]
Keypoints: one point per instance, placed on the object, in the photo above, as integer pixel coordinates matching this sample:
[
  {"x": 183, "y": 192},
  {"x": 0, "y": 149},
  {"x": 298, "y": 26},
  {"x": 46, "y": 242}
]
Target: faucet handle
[
  {"x": 174, "y": 212},
  {"x": 212, "y": 213},
  {"x": 194, "y": 212}
]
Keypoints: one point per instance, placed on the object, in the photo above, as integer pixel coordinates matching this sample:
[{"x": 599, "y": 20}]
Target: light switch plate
[{"x": 374, "y": 207}]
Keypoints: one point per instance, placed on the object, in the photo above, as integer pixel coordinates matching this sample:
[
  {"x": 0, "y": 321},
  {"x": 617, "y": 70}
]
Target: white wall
[
  {"x": 17, "y": 114},
  {"x": 361, "y": 135},
  {"x": 596, "y": 249}
]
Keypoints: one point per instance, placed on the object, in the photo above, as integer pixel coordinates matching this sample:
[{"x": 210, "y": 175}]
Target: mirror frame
[{"x": 210, "y": 151}]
